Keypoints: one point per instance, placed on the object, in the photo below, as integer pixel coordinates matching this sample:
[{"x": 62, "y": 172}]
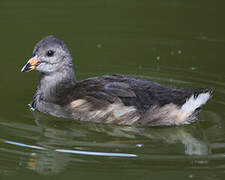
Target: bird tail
[{"x": 194, "y": 103}]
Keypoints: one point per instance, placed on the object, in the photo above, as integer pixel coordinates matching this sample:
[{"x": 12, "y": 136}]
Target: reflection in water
[
  {"x": 194, "y": 146},
  {"x": 61, "y": 143},
  {"x": 48, "y": 162}
]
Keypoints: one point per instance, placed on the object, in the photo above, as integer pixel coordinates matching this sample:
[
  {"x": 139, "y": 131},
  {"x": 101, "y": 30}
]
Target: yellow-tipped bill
[{"x": 30, "y": 65}]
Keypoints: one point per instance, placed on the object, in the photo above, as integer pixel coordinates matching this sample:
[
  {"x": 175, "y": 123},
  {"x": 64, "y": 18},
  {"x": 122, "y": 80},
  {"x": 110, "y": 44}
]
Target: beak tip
[
  {"x": 22, "y": 70},
  {"x": 30, "y": 65},
  {"x": 26, "y": 67}
]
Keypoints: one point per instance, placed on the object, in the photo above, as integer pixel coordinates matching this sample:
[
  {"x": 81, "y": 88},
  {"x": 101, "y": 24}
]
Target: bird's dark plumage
[{"x": 107, "y": 99}]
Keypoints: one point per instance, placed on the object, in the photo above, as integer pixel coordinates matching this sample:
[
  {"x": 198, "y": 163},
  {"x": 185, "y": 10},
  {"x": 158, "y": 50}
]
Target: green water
[{"x": 179, "y": 43}]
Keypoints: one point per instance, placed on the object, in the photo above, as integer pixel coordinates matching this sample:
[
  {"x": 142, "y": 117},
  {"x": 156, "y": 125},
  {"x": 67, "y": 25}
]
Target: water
[{"x": 176, "y": 43}]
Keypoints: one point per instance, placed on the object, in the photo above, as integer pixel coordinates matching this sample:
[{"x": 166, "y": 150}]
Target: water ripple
[{"x": 73, "y": 151}]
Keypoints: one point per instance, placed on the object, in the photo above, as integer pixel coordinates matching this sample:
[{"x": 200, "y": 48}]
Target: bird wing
[{"x": 141, "y": 94}]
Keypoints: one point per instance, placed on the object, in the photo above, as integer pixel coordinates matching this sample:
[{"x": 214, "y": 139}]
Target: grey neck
[{"x": 53, "y": 87}]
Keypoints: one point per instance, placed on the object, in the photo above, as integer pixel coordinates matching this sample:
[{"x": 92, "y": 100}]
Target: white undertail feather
[{"x": 193, "y": 103}]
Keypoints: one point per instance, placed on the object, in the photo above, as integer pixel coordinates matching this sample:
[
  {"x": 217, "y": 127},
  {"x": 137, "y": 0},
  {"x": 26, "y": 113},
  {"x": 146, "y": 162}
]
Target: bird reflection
[
  {"x": 48, "y": 162},
  {"x": 82, "y": 137}
]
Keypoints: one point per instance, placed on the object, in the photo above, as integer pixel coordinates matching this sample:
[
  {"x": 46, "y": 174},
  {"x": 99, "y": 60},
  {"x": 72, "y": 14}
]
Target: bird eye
[{"x": 50, "y": 53}]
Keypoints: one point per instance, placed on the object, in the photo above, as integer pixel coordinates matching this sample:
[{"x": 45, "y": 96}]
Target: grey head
[{"x": 50, "y": 55}]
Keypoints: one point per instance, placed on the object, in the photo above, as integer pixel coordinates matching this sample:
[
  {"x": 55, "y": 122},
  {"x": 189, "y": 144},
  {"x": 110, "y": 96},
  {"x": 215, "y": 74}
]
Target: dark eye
[{"x": 50, "y": 53}]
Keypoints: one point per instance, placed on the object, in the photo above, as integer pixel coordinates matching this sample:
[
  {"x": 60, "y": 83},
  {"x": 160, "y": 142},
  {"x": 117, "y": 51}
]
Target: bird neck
[{"x": 54, "y": 87}]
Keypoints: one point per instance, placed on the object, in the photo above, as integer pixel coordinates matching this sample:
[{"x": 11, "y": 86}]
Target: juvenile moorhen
[{"x": 114, "y": 99}]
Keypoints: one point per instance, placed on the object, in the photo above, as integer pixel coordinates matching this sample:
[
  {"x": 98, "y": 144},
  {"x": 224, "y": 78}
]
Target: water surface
[{"x": 177, "y": 43}]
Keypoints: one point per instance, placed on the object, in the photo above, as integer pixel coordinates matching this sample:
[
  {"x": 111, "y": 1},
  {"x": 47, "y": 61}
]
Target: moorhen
[{"x": 107, "y": 99}]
